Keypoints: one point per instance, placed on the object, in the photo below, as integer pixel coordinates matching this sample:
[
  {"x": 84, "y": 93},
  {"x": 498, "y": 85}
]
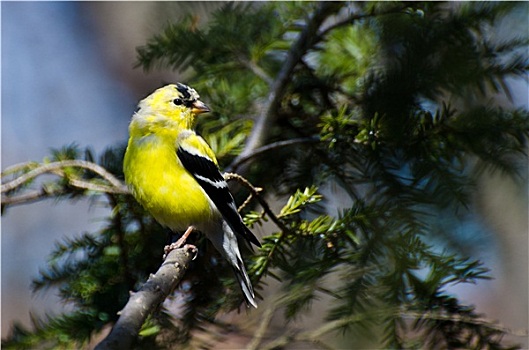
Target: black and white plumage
[
  {"x": 207, "y": 174},
  {"x": 220, "y": 231}
]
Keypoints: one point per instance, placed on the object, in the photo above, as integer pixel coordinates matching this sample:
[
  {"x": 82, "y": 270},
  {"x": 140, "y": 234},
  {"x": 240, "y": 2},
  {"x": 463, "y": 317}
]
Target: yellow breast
[{"x": 161, "y": 184}]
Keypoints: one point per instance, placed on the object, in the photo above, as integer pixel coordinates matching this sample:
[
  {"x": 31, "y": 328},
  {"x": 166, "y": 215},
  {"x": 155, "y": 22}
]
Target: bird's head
[{"x": 177, "y": 102}]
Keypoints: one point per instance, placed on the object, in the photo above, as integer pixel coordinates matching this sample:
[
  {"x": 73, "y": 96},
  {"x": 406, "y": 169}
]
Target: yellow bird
[{"x": 174, "y": 174}]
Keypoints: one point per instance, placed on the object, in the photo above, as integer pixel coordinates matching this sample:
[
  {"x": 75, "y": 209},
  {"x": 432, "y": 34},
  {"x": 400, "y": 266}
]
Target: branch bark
[
  {"x": 114, "y": 186},
  {"x": 51, "y": 167},
  {"x": 255, "y": 193},
  {"x": 142, "y": 303},
  {"x": 234, "y": 166}
]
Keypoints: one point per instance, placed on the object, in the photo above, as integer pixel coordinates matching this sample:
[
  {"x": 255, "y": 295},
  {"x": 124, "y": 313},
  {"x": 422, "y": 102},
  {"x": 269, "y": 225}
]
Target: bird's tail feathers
[
  {"x": 251, "y": 238},
  {"x": 246, "y": 284},
  {"x": 226, "y": 243}
]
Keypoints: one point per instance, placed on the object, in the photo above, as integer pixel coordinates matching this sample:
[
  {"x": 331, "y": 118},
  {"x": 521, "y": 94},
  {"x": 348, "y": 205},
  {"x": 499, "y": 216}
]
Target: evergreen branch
[
  {"x": 306, "y": 39},
  {"x": 270, "y": 147},
  {"x": 266, "y": 318},
  {"x": 353, "y": 17},
  {"x": 55, "y": 166},
  {"x": 312, "y": 335},
  {"x": 124, "y": 253},
  {"x": 252, "y": 66},
  {"x": 462, "y": 319},
  {"x": 364, "y": 78},
  {"x": 142, "y": 303}
]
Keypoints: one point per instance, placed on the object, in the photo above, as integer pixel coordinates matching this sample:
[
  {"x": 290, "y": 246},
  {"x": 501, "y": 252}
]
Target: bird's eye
[{"x": 178, "y": 101}]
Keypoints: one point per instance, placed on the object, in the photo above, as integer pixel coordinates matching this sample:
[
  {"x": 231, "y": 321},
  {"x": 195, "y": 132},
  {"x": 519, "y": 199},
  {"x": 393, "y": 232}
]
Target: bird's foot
[
  {"x": 168, "y": 248},
  {"x": 176, "y": 245},
  {"x": 191, "y": 248}
]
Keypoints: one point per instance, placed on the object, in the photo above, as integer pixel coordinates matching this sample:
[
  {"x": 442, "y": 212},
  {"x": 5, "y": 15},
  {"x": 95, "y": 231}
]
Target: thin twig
[
  {"x": 57, "y": 168},
  {"x": 255, "y": 192},
  {"x": 245, "y": 203},
  {"x": 19, "y": 167},
  {"x": 28, "y": 197},
  {"x": 98, "y": 188},
  {"x": 266, "y": 208},
  {"x": 43, "y": 192},
  {"x": 270, "y": 147},
  {"x": 256, "y": 69},
  {"x": 51, "y": 167}
]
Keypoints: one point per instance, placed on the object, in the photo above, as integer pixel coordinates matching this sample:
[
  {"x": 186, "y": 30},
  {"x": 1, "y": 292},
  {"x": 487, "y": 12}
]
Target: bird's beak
[{"x": 199, "y": 107}]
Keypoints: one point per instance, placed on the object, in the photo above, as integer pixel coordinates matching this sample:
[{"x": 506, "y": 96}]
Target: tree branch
[
  {"x": 353, "y": 17},
  {"x": 51, "y": 167},
  {"x": 27, "y": 197},
  {"x": 255, "y": 69},
  {"x": 144, "y": 302},
  {"x": 115, "y": 186},
  {"x": 272, "y": 146},
  {"x": 463, "y": 319},
  {"x": 314, "y": 335},
  {"x": 268, "y": 113},
  {"x": 255, "y": 192}
]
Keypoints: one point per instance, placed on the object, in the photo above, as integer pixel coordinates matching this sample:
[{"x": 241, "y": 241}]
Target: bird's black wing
[{"x": 207, "y": 174}]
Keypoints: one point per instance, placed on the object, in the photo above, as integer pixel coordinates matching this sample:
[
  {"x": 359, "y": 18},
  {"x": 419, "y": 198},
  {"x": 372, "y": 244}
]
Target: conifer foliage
[{"x": 391, "y": 103}]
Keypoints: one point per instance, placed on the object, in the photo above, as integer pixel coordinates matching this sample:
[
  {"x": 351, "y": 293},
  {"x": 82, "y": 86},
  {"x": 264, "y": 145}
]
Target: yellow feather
[
  {"x": 164, "y": 187},
  {"x": 152, "y": 169}
]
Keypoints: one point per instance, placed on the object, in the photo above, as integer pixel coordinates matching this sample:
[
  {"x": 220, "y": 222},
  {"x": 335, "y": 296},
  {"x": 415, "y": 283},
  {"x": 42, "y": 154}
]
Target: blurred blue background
[{"x": 64, "y": 80}]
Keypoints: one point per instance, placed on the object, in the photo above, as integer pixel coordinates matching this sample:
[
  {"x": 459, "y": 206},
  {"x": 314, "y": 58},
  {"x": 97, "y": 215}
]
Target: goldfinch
[{"x": 174, "y": 174}]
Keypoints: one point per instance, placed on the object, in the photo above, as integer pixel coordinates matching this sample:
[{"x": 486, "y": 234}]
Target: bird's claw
[
  {"x": 193, "y": 249},
  {"x": 169, "y": 248},
  {"x": 176, "y": 245}
]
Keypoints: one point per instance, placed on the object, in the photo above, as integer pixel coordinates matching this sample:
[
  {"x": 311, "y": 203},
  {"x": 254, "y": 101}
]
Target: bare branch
[
  {"x": 28, "y": 197},
  {"x": 272, "y": 146},
  {"x": 57, "y": 168},
  {"x": 52, "y": 167},
  {"x": 19, "y": 167},
  {"x": 256, "y": 69},
  {"x": 144, "y": 302},
  {"x": 98, "y": 188},
  {"x": 255, "y": 192},
  {"x": 43, "y": 192}
]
